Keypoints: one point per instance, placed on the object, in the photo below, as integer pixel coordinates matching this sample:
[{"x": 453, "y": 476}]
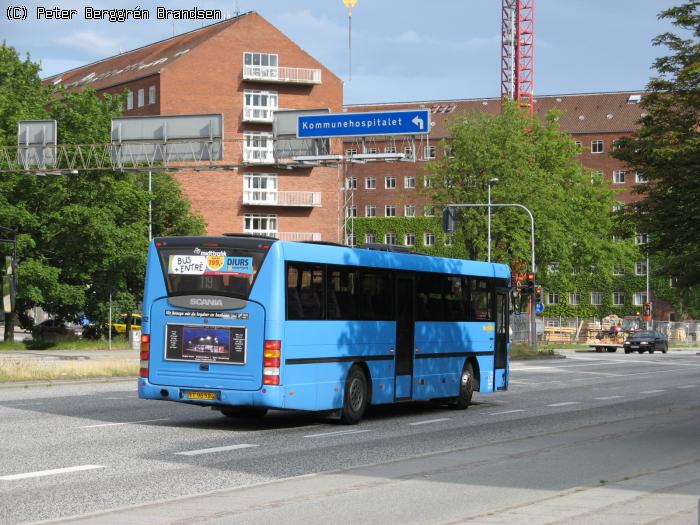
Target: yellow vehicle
[{"x": 119, "y": 324}]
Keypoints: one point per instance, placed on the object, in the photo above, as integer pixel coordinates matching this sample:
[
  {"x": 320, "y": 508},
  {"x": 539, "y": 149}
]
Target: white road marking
[
  {"x": 429, "y": 421},
  {"x": 608, "y": 397},
  {"x": 506, "y": 412},
  {"x": 52, "y": 472},
  {"x": 566, "y": 403},
  {"x": 688, "y": 386},
  {"x": 339, "y": 433},
  {"x": 652, "y": 391},
  {"x": 214, "y": 449},
  {"x": 124, "y": 423}
]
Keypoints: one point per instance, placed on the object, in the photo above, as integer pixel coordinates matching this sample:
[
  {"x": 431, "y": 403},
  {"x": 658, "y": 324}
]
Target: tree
[
  {"x": 666, "y": 149},
  {"x": 81, "y": 238},
  {"x": 536, "y": 166}
]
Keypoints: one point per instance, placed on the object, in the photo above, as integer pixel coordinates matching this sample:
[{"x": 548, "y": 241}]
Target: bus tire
[
  {"x": 355, "y": 396},
  {"x": 244, "y": 412},
  {"x": 466, "y": 389}
]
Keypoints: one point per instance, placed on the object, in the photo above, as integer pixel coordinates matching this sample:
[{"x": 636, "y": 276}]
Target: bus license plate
[{"x": 205, "y": 396}]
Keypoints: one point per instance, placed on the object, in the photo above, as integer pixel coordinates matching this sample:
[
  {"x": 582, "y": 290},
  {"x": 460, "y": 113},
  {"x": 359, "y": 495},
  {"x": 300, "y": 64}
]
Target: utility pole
[
  {"x": 10, "y": 281},
  {"x": 349, "y": 4}
]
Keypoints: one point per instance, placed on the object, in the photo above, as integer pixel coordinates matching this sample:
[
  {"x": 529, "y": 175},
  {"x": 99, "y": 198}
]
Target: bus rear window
[{"x": 199, "y": 270}]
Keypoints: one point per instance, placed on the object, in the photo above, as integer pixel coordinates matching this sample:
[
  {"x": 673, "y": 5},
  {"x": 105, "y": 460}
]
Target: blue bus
[{"x": 244, "y": 324}]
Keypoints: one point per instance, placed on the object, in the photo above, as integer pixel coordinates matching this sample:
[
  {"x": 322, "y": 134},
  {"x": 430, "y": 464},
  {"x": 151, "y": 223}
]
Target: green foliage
[
  {"x": 666, "y": 148},
  {"x": 80, "y": 237}
]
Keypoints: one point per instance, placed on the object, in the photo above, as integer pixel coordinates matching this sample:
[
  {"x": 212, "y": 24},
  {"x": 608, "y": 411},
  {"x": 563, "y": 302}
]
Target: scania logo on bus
[{"x": 206, "y": 302}]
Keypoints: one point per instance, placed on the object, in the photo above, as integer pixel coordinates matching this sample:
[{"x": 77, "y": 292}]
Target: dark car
[
  {"x": 57, "y": 329},
  {"x": 646, "y": 341}
]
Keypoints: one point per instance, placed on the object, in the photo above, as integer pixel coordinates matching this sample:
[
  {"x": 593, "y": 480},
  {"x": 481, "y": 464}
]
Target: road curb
[{"x": 44, "y": 383}]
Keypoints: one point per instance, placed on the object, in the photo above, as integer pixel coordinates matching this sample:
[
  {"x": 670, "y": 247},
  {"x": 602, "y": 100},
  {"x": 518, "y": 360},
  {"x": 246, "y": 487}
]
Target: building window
[
  {"x": 351, "y": 183},
  {"x": 429, "y": 152},
  {"x": 449, "y": 240},
  {"x": 370, "y": 238},
  {"x": 427, "y": 182},
  {"x": 429, "y": 239},
  {"x": 408, "y": 152},
  {"x": 260, "y": 65},
  {"x": 409, "y": 181},
  {"x": 390, "y": 149},
  {"x": 371, "y": 151},
  {"x": 640, "y": 268},
  {"x": 553, "y": 267},
  {"x": 619, "y": 176},
  {"x": 618, "y": 270},
  {"x": 141, "y": 97},
  {"x": 616, "y": 238},
  {"x": 640, "y": 178},
  {"x": 370, "y": 210},
  {"x": 259, "y": 188},
  {"x": 260, "y": 224},
  {"x": 449, "y": 153},
  {"x": 129, "y": 100},
  {"x": 352, "y": 211},
  {"x": 390, "y": 183},
  {"x": 596, "y": 146},
  {"x": 429, "y": 211},
  {"x": 639, "y": 298},
  {"x": 552, "y": 298},
  {"x": 352, "y": 240},
  {"x": 259, "y": 105},
  {"x": 574, "y": 298},
  {"x": 257, "y": 148},
  {"x": 390, "y": 238},
  {"x": 596, "y": 298},
  {"x": 578, "y": 143},
  {"x": 617, "y": 207},
  {"x": 370, "y": 183},
  {"x": 409, "y": 210},
  {"x": 152, "y": 95},
  {"x": 641, "y": 238},
  {"x": 389, "y": 211},
  {"x": 410, "y": 239},
  {"x": 618, "y": 298},
  {"x": 350, "y": 152}
]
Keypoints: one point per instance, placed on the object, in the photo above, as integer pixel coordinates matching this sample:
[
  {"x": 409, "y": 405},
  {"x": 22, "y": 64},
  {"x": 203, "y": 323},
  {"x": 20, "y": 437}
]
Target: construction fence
[{"x": 588, "y": 330}]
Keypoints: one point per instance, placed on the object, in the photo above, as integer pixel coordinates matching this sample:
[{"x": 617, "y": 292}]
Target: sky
[{"x": 405, "y": 50}]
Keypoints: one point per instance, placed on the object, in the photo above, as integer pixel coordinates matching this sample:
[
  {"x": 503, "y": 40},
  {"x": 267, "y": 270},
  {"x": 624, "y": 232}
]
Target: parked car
[
  {"x": 57, "y": 329},
  {"x": 646, "y": 341}
]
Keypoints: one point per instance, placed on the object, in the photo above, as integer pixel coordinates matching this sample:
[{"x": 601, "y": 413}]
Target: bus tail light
[
  {"x": 145, "y": 354},
  {"x": 272, "y": 359}
]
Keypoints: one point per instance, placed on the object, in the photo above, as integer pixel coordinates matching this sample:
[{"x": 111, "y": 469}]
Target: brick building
[
  {"x": 595, "y": 121},
  {"x": 246, "y": 69}
]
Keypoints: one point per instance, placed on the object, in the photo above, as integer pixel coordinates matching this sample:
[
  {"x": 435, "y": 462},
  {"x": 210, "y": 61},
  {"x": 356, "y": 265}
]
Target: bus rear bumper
[{"x": 265, "y": 397}]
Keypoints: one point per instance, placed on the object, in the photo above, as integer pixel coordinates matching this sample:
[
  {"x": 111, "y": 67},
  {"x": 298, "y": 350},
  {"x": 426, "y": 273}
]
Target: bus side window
[
  {"x": 377, "y": 295},
  {"x": 481, "y": 300},
  {"x": 305, "y": 297},
  {"x": 342, "y": 293},
  {"x": 430, "y": 289}
]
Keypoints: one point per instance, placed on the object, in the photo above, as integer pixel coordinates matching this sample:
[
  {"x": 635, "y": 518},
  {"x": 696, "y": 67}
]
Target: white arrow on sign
[{"x": 418, "y": 122}]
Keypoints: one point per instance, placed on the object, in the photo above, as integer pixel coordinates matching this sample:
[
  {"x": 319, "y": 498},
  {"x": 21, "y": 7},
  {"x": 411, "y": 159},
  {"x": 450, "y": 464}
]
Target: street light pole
[
  {"x": 533, "y": 325},
  {"x": 489, "y": 183}
]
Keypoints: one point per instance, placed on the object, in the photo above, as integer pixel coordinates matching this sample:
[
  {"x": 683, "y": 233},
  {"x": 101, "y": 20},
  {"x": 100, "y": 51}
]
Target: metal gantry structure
[{"x": 518, "y": 53}]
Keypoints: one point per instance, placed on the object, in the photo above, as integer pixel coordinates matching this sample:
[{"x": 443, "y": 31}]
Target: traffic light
[
  {"x": 646, "y": 311},
  {"x": 538, "y": 294},
  {"x": 529, "y": 284},
  {"x": 449, "y": 219}
]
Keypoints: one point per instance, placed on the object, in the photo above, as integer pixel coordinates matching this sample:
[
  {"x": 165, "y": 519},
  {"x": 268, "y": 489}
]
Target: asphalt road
[{"x": 594, "y": 438}]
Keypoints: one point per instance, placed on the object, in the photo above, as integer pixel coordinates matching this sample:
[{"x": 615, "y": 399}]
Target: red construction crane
[{"x": 518, "y": 52}]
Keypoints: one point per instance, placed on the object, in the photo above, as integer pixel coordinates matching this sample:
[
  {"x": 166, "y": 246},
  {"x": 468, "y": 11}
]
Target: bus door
[
  {"x": 405, "y": 328},
  {"x": 501, "y": 341}
]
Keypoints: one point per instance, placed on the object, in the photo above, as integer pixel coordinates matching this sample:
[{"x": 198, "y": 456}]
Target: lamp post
[{"x": 490, "y": 183}]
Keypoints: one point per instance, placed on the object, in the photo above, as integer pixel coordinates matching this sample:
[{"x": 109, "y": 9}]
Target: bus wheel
[
  {"x": 466, "y": 389},
  {"x": 355, "y": 396},
  {"x": 244, "y": 412}
]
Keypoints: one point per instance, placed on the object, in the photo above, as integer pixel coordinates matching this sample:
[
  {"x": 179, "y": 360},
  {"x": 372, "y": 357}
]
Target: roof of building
[
  {"x": 617, "y": 112},
  {"x": 138, "y": 63}
]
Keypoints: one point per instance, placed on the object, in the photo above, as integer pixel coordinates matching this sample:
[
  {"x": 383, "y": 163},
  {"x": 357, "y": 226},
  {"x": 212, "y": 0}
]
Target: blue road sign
[
  {"x": 409, "y": 122},
  {"x": 539, "y": 308}
]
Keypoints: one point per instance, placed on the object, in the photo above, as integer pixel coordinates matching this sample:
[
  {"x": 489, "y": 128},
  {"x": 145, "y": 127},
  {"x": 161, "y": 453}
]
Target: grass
[
  {"x": 118, "y": 343},
  {"x": 40, "y": 370},
  {"x": 522, "y": 351}
]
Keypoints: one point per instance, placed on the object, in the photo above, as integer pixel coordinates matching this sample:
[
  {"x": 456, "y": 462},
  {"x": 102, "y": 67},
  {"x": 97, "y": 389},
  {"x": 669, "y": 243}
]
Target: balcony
[
  {"x": 298, "y": 236},
  {"x": 303, "y": 199},
  {"x": 258, "y": 114},
  {"x": 282, "y": 75}
]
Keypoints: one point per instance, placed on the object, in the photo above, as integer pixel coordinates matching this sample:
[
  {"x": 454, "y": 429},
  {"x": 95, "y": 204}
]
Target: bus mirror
[{"x": 449, "y": 219}]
